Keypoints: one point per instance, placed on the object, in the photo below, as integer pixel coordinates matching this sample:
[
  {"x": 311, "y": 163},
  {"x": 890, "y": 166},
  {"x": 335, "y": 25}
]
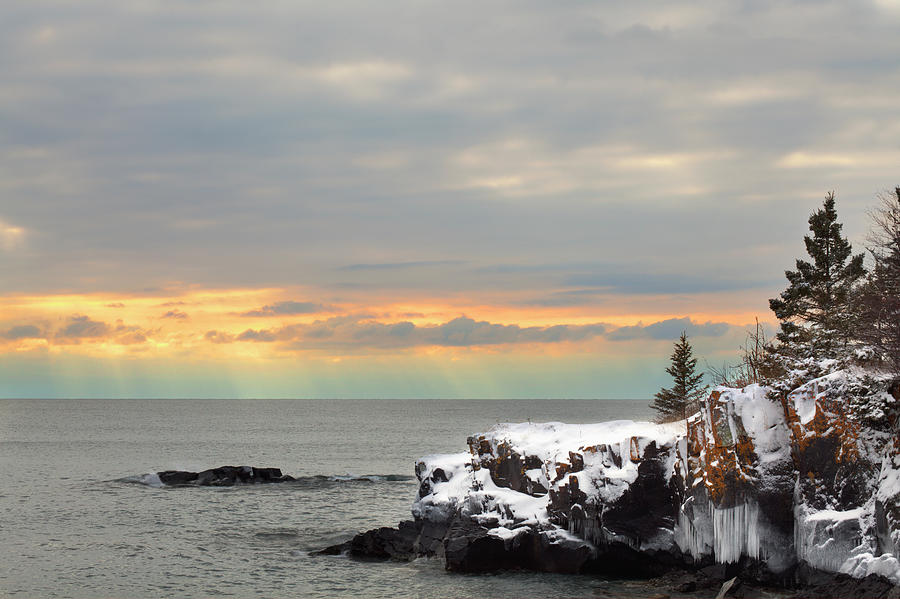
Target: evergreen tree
[
  {"x": 684, "y": 397},
  {"x": 879, "y": 299},
  {"x": 815, "y": 310}
]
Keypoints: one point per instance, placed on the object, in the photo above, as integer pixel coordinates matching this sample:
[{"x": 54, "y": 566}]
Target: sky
[{"x": 419, "y": 199}]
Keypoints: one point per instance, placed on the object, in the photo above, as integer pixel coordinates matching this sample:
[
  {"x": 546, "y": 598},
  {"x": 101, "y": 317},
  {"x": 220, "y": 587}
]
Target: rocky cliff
[{"x": 770, "y": 485}]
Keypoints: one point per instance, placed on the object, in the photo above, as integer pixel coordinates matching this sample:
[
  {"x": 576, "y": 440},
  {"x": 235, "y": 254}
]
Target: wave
[
  {"x": 151, "y": 480},
  {"x": 317, "y": 480},
  {"x": 278, "y": 533},
  {"x": 375, "y": 478}
]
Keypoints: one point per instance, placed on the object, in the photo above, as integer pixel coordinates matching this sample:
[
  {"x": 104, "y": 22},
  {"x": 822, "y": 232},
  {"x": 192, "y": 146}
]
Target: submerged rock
[
  {"x": 224, "y": 476},
  {"x": 382, "y": 543}
]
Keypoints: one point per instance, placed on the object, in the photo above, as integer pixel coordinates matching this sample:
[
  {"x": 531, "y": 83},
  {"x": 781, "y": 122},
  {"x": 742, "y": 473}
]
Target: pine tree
[
  {"x": 815, "y": 310},
  {"x": 684, "y": 397},
  {"x": 879, "y": 299}
]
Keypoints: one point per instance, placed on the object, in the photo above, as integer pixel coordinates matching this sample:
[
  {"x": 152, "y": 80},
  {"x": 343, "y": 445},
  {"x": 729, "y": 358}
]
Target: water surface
[{"x": 73, "y": 527}]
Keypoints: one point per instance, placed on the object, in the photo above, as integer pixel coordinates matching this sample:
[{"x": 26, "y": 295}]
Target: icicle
[
  {"x": 736, "y": 532},
  {"x": 727, "y": 533},
  {"x": 693, "y": 535}
]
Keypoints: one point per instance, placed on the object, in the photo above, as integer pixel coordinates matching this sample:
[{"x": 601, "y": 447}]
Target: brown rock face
[
  {"x": 833, "y": 472},
  {"x": 720, "y": 455}
]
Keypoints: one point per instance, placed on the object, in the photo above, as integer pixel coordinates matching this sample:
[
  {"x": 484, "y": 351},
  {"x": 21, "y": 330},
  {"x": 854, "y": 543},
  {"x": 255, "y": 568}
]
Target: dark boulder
[
  {"x": 647, "y": 508},
  {"x": 224, "y": 476},
  {"x": 431, "y": 537},
  {"x": 386, "y": 543},
  {"x": 824, "y": 585},
  {"x": 403, "y": 543},
  {"x": 470, "y": 547},
  {"x": 177, "y": 477}
]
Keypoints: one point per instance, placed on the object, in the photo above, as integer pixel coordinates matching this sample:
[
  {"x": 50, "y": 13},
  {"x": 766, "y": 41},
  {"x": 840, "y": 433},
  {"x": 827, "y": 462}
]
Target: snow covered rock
[
  {"x": 845, "y": 501},
  {"x": 767, "y": 485},
  {"x": 590, "y": 490}
]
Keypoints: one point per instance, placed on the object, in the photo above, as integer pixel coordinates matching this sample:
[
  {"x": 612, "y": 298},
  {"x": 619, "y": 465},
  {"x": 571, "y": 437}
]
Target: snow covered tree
[
  {"x": 684, "y": 397},
  {"x": 879, "y": 299},
  {"x": 815, "y": 310}
]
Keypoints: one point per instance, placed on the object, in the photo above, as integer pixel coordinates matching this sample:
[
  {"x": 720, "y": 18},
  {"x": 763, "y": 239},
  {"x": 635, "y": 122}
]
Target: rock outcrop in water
[
  {"x": 223, "y": 476},
  {"x": 777, "y": 491}
]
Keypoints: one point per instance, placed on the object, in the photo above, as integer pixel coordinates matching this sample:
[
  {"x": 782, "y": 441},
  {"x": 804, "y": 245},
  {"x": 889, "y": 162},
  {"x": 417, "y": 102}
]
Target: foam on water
[{"x": 150, "y": 479}]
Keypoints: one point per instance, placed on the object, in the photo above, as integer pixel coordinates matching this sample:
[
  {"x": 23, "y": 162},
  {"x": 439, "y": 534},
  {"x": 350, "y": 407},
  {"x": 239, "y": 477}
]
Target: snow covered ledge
[{"x": 748, "y": 477}]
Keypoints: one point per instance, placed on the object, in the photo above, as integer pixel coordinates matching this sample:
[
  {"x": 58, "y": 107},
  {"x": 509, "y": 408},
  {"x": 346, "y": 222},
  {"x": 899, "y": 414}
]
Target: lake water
[{"x": 72, "y": 526}]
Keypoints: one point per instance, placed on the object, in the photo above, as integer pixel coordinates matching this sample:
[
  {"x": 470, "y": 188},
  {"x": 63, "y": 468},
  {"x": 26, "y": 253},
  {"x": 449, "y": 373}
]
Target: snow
[
  {"x": 804, "y": 397},
  {"x": 510, "y": 507},
  {"x": 865, "y": 563},
  {"x": 506, "y": 533},
  {"x": 445, "y": 496},
  {"x": 889, "y": 481},
  {"x": 805, "y": 405},
  {"x": 836, "y": 516},
  {"x": 552, "y": 441},
  {"x": 763, "y": 420},
  {"x": 475, "y": 493}
]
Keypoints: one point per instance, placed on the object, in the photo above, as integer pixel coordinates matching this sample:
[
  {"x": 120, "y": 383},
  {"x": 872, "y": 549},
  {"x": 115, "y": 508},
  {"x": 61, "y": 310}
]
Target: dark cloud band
[{"x": 352, "y": 333}]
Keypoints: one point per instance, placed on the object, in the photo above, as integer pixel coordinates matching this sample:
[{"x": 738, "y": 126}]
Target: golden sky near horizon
[
  {"x": 261, "y": 323},
  {"x": 256, "y": 343}
]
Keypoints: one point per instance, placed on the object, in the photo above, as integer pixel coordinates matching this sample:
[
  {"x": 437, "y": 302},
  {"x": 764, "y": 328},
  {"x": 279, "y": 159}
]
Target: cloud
[
  {"x": 251, "y": 335},
  {"x": 817, "y": 160},
  {"x": 82, "y": 327},
  {"x": 288, "y": 308},
  {"x": 660, "y": 283},
  {"x": 571, "y": 297},
  {"x": 26, "y": 331},
  {"x": 669, "y": 330},
  {"x": 351, "y": 332},
  {"x": 368, "y": 80},
  {"x": 354, "y": 333},
  {"x": 401, "y": 265},
  {"x": 463, "y": 332},
  {"x": 218, "y": 337},
  {"x": 11, "y": 236},
  {"x": 130, "y": 338},
  {"x": 176, "y": 314}
]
